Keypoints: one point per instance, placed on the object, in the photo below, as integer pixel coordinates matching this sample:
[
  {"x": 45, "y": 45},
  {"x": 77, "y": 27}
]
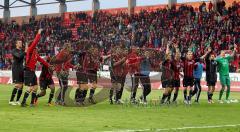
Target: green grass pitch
[{"x": 104, "y": 117}]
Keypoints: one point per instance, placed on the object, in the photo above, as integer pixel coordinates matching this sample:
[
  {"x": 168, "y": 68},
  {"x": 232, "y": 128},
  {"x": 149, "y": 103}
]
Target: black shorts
[
  {"x": 116, "y": 79},
  {"x": 84, "y": 77},
  {"x": 176, "y": 83},
  {"x": 81, "y": 77},
  {"x": 92, "y": 76},
  {"x": 211, "y": 79},
  {"x": 211, "y": 82},
  {"x": 188, "y": 81},
  {"x": 45, "y": 83},
  {"x": 30, "y": 78},
  {"x": 167, "y": 83},
  {"x": 17, "y": 76}
]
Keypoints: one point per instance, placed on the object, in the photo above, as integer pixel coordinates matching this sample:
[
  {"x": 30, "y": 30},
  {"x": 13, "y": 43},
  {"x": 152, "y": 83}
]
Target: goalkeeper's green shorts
[{"x": 225, "y": 80}]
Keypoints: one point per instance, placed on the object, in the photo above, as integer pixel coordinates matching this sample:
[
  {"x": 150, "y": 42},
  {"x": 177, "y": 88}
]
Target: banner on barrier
[{"x": 104, "y": 78}]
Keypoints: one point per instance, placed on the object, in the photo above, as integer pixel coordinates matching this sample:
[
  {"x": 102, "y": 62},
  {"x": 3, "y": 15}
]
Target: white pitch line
[{"x": 171, "y": 129}]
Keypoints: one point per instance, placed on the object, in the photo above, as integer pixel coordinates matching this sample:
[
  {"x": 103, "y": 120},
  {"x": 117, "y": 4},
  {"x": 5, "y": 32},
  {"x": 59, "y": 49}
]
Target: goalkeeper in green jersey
[{"x": 223, "y": 67}]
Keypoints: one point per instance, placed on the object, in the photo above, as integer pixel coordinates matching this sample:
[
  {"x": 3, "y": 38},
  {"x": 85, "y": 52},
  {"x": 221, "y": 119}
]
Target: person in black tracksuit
[
  {"x": 211, "y": 73},
  {"x": 17, "y": 72}
]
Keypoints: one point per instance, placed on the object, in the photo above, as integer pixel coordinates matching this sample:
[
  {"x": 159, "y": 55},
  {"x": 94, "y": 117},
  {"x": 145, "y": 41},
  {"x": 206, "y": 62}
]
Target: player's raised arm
[
  {"x": 231, "y": 57},
  {"x": 234, "y": 51},
  {"x": 207, "y": 53},
  {"x": 35, "y": 41}
]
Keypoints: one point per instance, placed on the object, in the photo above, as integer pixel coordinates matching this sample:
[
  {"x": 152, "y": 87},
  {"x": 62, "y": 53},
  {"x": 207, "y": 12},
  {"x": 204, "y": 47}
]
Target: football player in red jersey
[
  {"x": 30, "y": 78},
  {"x": 188, "y": 65},
  {"x": 176, "y": 63},
  {"x": 91, "y": 64},
  {"x": 133, "y": 66},
  {"x": 117, "y": 72},
  {"x": 63, "y": 63},
  {"x": 81, "y": 75},
  {"x": 46, "y": 81},
  {"x": 167, "y": 75},
  {"x": 124, "y": 53}
]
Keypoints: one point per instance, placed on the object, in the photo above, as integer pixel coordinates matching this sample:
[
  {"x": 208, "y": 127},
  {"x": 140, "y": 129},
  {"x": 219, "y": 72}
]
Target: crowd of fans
[
  {"x": 190, "y": 29},
  {"x": 54, "y": 36}
]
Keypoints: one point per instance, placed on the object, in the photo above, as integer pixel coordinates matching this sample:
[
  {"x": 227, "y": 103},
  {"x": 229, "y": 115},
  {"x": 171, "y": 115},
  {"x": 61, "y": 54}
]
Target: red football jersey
[
  {"x": 32, "y": 56},
  {"x": 133, "y": 63},
  {"x": 176, "y": 69}
]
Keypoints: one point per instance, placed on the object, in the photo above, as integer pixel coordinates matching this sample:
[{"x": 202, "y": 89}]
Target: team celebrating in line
[{"x": 122, "y": 61}]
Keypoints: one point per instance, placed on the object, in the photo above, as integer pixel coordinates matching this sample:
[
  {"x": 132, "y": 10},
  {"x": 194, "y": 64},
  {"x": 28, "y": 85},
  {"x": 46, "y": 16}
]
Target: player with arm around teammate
[{"x": 116, "y": 73}]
